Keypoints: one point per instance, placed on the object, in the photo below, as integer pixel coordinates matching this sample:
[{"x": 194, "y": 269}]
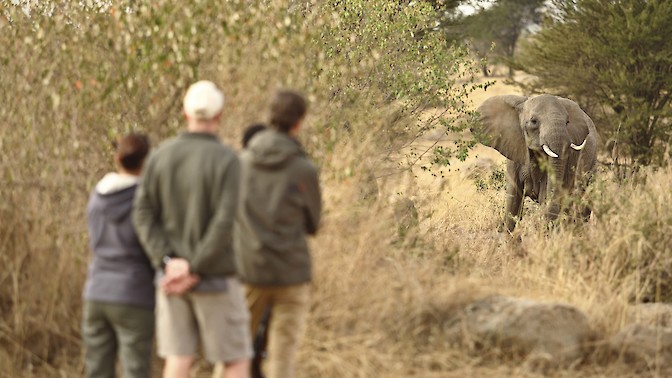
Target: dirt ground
[{"x": 441, "y": 189}]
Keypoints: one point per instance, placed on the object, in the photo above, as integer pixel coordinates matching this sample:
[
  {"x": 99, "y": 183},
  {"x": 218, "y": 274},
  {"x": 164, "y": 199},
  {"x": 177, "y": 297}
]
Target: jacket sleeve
[
  {"x": 218, "y": 236},
  {"x": 313, "y": 201},
  {"x": 147, "y": 219}
]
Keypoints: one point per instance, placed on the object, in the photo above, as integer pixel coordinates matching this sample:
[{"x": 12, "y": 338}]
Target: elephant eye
[{"x": 533, "y": 122}]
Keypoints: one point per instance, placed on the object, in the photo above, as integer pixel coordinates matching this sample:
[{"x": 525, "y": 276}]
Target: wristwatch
[{"x": 164, "y": 261}]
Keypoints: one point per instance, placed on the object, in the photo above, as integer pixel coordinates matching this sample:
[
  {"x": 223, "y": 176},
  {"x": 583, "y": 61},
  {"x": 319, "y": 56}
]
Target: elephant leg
[
  {"x": 584, "y": 209},
  {"x": 514, "y": 205}
]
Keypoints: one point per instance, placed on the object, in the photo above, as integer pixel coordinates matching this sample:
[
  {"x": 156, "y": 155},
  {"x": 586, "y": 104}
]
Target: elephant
[{"x": 551, "y": 147}]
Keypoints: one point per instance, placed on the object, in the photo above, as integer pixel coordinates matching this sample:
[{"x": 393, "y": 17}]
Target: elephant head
[{"x": 548, "y": 140}]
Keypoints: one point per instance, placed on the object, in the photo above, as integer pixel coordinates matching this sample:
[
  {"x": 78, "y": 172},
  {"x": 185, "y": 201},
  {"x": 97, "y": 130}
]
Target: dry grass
[
  {"x": 385, "y": 282},
  {"x": 381, "y": 303},
  {"x": 381, "y": 297}
]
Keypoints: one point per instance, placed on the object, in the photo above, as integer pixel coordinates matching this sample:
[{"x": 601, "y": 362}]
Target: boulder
[
  {"x": 652, "y": 314},
  {"x": 644, "y": 347},
  {"x": 556, "y": 334}
]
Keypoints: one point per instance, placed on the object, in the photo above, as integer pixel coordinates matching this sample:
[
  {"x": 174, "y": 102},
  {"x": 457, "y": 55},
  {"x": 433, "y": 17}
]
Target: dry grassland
[
  {"x": 384, "y": 279},
  {"x": 380, "y": 298}
]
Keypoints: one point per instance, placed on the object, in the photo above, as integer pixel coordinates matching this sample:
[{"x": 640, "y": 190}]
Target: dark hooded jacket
[
  {"x": 119, "y": 271},
  {"x": 280, "y": 203}
]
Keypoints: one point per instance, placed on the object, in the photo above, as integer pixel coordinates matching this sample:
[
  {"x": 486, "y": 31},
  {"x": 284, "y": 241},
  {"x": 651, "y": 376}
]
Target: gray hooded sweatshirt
[
  {"x": 119, "y": 271},
  {"x": 280, "y": 203}
]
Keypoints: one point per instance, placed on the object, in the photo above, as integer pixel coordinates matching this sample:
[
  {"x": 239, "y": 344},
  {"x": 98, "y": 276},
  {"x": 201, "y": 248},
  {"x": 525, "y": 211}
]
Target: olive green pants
[{"x": 109, "y": 329}]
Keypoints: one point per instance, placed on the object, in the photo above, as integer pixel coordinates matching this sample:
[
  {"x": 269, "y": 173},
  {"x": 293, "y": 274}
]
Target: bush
[
  {"x": 495, "y": 181},
  {"x": 613, "y": 58},
  {"x": 83, "y": 72}
]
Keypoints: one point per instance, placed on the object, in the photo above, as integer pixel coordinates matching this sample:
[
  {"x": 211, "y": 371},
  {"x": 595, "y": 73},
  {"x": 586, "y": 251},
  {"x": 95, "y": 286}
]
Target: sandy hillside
[{"x": 446, "y": 194}]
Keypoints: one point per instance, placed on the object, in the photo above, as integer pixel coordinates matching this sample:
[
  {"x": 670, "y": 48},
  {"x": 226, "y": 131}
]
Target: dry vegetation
[
  {"x": 381, "y": 302},
  {"x": 384, "y": 279}
]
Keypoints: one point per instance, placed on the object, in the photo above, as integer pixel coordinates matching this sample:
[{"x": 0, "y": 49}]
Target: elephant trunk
[
  {"x": 555, "y": 187},
  {"x": 556, "y": 150}
]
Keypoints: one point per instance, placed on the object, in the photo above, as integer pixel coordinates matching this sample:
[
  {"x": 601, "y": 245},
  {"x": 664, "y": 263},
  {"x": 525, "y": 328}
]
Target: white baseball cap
[{"x": 203, "y": 100}]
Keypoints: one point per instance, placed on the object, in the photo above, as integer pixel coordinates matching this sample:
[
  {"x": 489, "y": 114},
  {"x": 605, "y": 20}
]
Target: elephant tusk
[
  {"x": 549, "y": 152},
  {"x": 579, "y": 148}
]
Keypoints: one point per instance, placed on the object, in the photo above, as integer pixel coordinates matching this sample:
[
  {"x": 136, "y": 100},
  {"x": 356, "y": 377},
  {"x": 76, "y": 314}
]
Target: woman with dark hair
[{"x": 119, "y": 291}]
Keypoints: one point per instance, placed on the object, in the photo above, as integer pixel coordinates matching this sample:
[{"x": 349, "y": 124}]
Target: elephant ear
[
  {"x": 579, "y": 122},
  {"x": 499, "y": 126}
]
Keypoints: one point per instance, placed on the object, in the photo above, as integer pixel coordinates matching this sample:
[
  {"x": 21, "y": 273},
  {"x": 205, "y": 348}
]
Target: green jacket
[
  {"x": 186, "y": 203},
  {"x": 280, "y": 204}
]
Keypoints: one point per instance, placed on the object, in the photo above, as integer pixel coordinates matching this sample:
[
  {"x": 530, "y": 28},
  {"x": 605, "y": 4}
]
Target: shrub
[
  {"x": 613, "y": 58},
  {"x": 82, "y": 72}
]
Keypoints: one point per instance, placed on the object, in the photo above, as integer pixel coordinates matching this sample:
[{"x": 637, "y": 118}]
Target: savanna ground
[
  {"x": 400, "y": 246},
  {"x": 395, "y": 277}
]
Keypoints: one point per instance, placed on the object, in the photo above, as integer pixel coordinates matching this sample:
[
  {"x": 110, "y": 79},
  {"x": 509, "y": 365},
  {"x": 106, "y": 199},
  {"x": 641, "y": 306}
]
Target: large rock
[
  {"x": 652, "y": 314},
  {"x": 644, "y": 347},
  {"x": 556, "y": 334}
]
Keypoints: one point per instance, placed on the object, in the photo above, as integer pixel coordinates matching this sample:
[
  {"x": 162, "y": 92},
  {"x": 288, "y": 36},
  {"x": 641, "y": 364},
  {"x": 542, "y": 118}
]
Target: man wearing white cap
[{"x": 184, "y": 211}]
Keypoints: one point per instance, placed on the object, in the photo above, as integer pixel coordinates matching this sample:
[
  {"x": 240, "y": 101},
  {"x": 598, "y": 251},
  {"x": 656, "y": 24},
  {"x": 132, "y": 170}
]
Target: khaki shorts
[{"x": 222, "y": 318}]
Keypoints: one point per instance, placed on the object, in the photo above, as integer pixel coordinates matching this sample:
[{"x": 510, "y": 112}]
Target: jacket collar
[{"x": 198, "y": 135}]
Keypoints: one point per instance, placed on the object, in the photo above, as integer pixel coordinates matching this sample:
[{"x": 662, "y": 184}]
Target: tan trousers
[{"x": 289, "y": 310}]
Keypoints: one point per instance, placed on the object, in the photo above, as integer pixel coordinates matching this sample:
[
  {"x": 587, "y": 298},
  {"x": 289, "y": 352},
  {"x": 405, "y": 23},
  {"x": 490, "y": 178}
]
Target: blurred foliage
[
  {"x": 493, "y": 29},
  {"x": 615, "y": 58},
  {"x": 77, "y": 73},
  {"x": 496, "y": 180}
]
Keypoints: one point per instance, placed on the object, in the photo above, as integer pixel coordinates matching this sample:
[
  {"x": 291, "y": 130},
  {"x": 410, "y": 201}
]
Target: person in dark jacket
[
  {"x": 280, "y": 203},
  {"x": 119, "y": 290},
  {"x": 184, "y": 212},
  {"x": 261, "y": 336},
  {"x": 260, "y": 339},
  {"x": 251, "y": 131}
]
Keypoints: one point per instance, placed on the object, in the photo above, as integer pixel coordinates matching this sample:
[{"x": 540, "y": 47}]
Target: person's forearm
[
  {"x": 154, "y": 241},
  {"x": 150, "y": 232},
  {"x": 313, "y": 201}
]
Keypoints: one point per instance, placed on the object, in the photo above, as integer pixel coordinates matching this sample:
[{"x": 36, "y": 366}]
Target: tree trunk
[{"x": 484, "y": 68}]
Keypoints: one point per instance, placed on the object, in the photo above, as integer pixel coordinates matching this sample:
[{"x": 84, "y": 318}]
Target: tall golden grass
[{"x": 381, "y": 294}]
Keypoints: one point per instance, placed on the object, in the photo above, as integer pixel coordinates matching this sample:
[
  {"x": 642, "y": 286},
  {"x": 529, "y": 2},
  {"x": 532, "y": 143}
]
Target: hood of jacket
[
  {"x": 273, "y": 149},
  {"x": 114, "y": 195}
]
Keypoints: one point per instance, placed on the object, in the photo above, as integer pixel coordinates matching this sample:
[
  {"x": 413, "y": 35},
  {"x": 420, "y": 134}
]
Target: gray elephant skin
[{"x": 550, "y": 144}]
